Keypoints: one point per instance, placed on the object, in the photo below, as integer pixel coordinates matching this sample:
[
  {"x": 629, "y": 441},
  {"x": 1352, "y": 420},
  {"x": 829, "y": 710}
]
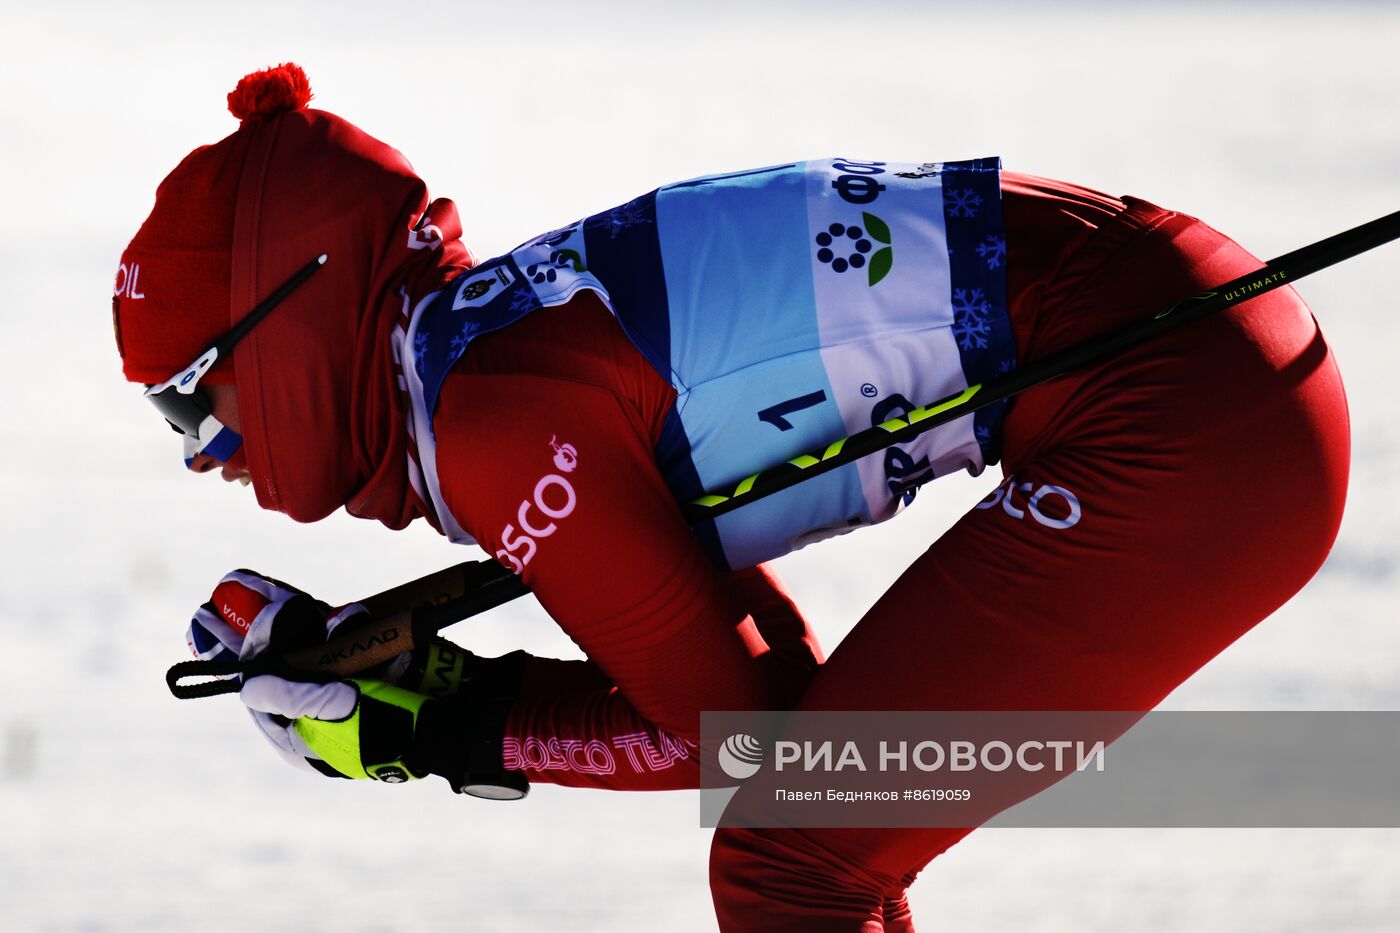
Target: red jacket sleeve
[{"x": 545, "y": 457}]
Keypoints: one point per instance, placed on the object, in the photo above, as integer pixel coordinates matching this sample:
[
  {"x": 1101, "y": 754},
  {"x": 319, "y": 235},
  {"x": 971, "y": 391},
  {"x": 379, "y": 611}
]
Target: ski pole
[
  {"x": 488, "y": 584},
  {"x": 1282, "y": 271}
]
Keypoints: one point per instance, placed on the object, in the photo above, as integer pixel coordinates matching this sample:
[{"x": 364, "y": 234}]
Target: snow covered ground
[{"x": 123, "y": 809}]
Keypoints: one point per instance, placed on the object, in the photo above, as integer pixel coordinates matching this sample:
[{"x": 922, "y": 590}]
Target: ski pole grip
[
  {"x": 345, "y": 656},
  {"x": 411, "y": 613},
  {"x": 349, "y": 654}
]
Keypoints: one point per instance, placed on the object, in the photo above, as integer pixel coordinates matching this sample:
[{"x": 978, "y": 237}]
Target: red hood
[{"x": 322, "y": 417}]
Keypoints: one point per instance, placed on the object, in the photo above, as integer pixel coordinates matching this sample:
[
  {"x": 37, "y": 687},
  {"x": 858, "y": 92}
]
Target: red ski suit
[{"x": 1211, "y": 467}]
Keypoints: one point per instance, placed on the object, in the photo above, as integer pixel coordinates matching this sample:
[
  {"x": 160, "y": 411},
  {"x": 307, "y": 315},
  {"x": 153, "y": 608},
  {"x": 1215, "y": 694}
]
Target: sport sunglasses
[{"x": 187, "y": 409}]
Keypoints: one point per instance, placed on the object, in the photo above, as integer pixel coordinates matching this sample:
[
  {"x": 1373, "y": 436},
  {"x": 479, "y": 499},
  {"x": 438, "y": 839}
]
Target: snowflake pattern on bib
[
  {"x": 971, "y": 324},
  {"x": 993, "y": 250},
  {"x": 963, "y": 202}
]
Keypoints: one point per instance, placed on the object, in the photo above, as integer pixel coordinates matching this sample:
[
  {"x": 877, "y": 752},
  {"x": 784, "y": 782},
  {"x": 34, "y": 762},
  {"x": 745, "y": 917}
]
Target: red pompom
[{"x": 264, "y": 94}]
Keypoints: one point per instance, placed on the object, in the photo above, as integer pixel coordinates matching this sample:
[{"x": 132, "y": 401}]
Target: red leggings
[{"x": 1210, "y": 470}]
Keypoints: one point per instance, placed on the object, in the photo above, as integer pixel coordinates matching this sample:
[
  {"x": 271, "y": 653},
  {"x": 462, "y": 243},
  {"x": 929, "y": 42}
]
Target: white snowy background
[{"x": 121, "y": 808}]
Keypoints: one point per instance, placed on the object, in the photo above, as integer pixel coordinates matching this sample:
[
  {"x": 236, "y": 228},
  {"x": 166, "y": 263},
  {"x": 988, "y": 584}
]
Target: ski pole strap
[
  {"x": 1284, "y": 270},
  {"x": 178, "y": 673}
]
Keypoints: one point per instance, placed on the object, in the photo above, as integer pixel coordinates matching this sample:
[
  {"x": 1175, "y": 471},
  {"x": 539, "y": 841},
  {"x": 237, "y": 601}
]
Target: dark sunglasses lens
[{"x": 184, "y": 412}]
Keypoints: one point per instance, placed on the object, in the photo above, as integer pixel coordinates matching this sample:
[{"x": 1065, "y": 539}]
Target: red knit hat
[
  {"x": 319, "y": 403},
  {"x": 171, "y": 294}
]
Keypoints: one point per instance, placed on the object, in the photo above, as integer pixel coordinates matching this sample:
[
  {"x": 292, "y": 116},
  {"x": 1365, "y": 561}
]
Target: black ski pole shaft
[{"x": 1284, "y": 270}]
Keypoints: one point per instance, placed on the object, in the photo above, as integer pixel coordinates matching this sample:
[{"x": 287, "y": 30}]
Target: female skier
[{"x": 557, "y": 403}]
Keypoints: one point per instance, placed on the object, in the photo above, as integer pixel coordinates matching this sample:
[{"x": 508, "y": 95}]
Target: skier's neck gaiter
[{"x": 321, "y": 415}]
